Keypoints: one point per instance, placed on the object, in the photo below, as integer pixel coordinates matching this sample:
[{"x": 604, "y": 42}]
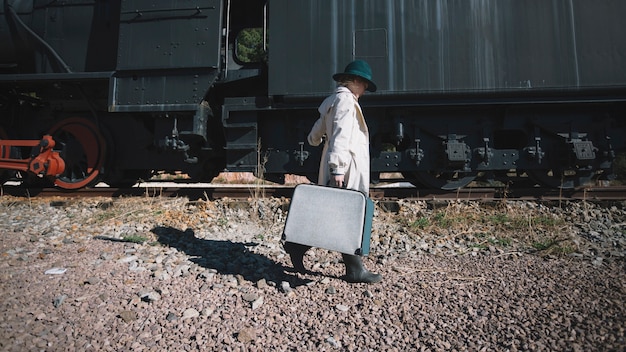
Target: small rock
[
  {"x": 55, "y": 271},
  {"x": 331, "y": 340},
  {"x": 134, "y": 266},
  {"x": 257, "y": 303},
  {"x": 161, "y": 275},
  {"x": 262, "y": 284},
  {"x": 331, "y": 290},
  {"x": 106, "y": 256},
  {"x": 246, "y": 335},
  {"x": 207, "y": 275},
  {"x": 128, "y": 315},
  {"x": 181, "y": 270},
  {"x": 92, "y": 281},
  {"x": 149, "y": 296},
  {"x": 250, "y": 297},
  {"x": 128, "y": 259},
  {"x": 190, "y": 313},
  {"x": 400, "y": 285},
  {"x": 285, "y": 287},
  {"x": 171, "y": 316},
  {"x": 59, "y": 300},
  {"x": 207, "y": 311},
  {"x": 230, "y": 281},
  {"x": 342, "y": 308}
]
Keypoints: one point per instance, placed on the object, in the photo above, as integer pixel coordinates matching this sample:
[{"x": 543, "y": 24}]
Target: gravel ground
[{"x": 169, "y": 274}]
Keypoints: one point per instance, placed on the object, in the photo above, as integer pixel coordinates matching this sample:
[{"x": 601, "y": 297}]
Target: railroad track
[{"x": 381, "y": 192}]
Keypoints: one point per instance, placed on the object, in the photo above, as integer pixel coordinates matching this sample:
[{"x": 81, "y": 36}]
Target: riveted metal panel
[
  {"x": 168, "y": 54},
  {"x": 169, "y": 34},
  {"x": 172, "y": 90},
  {"x": 449, "y": 45}
]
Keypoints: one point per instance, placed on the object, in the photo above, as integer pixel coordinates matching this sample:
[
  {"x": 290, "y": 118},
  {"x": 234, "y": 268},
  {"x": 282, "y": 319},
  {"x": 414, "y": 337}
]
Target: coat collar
[
  {"x": 359, "y": 112},
  {"x": 342, "y": 89}
]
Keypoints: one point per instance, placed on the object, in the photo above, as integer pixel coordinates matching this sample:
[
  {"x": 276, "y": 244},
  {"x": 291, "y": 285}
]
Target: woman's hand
[{"x": 336, "y": 180}]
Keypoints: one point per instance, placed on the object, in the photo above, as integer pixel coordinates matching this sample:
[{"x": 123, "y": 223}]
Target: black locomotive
[{"x": 467, "y": 89}]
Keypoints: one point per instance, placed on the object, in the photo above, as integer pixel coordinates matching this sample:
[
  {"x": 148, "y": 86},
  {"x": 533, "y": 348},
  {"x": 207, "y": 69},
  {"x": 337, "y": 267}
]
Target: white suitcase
[{"x": 337, "y": 219}]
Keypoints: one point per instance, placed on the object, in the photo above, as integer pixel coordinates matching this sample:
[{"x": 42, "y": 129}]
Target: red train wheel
[
  {"x": 5, "y": 152},
  {"x": 83, "y": 150}
]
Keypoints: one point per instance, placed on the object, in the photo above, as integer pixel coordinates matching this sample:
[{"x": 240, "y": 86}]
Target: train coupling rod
[{"x": 43, "y": 161}]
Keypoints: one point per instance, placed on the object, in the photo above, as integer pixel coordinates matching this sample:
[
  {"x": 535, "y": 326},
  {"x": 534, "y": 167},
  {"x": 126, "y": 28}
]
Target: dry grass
[{"x": 507, "y": 226}]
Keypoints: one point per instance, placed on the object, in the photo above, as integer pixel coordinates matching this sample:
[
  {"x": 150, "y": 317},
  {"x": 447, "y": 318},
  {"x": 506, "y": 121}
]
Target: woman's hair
[{"x": 345, "y": 79}]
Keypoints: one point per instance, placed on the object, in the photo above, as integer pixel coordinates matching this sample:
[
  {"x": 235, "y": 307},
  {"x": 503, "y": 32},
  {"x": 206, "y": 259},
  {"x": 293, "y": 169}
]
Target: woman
[{"x": 345, "y": 158}]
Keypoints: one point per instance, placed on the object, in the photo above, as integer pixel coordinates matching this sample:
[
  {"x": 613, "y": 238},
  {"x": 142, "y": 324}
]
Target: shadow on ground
[{"x": 227, "y": 257}]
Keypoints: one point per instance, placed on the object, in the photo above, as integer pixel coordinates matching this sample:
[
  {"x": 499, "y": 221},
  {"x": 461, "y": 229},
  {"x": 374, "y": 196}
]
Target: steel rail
[{"x": 213, "y": 192}]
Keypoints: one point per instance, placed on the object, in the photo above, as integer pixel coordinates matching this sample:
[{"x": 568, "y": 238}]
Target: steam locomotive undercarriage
[
  {"x": 450, "y": 146},
  {"x": 447, "y": 146}
]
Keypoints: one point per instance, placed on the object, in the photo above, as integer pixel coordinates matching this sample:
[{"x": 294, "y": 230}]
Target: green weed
[
  {"x": 420, "y": 223},
  {"x": 500, "y": 241}
]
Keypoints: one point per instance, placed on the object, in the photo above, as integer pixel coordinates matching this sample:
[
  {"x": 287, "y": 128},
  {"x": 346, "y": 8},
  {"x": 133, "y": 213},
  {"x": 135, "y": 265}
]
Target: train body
[{"x": 467, "y": 90}]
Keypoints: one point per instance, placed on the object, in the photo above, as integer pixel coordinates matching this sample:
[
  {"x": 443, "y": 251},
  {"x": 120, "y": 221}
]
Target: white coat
[{"x": 346, "y": 150}]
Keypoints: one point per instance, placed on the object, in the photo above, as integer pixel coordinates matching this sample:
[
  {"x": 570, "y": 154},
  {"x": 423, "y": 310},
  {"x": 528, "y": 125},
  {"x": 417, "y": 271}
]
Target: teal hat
[{"x": 358, "y": 68}]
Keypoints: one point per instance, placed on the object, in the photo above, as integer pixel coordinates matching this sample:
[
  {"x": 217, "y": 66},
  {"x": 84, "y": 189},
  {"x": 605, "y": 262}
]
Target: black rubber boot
[
  {"x": 356, "y": 272},
  {"x": 296, "y": 253}
]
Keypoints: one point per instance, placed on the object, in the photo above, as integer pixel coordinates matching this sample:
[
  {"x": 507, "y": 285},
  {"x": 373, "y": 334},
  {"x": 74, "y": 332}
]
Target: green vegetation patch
[{"x": 483, "y": 226}]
